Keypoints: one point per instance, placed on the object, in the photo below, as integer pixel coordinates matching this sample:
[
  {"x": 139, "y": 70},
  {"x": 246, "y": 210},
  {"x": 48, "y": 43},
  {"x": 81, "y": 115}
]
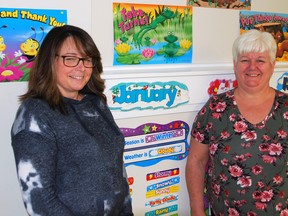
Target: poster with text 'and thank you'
[
  {"x": 274, "y": 23},
  {"x": 152, "y": 34},
  {"x": 21, "y": 34}
]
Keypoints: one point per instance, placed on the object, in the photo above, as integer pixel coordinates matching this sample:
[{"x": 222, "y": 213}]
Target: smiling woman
[
  {"x": 67, "y": 146},
  {"x": 243, "y": 135},
  {"x": 254, "y": 62},
  {"x": 71, "y": 75}
]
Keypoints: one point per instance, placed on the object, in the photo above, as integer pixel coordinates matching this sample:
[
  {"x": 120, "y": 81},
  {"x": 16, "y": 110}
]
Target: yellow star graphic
[{"x": 154, "y": 128}]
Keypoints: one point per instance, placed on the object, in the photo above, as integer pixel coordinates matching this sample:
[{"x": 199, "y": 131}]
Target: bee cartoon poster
[
  {"x": 21, "y": 34},
  {"x": 227, "y": 4},
  {"x": 274, "y": 23},
  {"x": 152, "y": 34}
]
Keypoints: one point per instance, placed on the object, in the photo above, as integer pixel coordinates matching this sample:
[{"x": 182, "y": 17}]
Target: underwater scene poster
[
  {"x": 152, "y": 34},
  {"x": 227, "y": 4},
  {"x": 274, "y": 23},
  {"x": 21, "y": 34}
]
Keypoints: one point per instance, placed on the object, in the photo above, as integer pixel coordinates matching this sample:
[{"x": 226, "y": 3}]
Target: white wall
[
  {"x": 214, "y": 30},
  {"x": 213, "y": 33}
]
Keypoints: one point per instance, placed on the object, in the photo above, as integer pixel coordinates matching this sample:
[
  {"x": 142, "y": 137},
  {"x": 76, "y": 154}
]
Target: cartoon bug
[
  {"x": 2, "y": 44},
  {"x": 31, "y": 46}
]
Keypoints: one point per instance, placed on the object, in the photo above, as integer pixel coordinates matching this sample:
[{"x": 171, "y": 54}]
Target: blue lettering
[
  {"x": 172, "y": 95},
  {"x": 164, "y": 136},
  {"x": 285, "y": 84},
  {"x": 133, "y": 96}
]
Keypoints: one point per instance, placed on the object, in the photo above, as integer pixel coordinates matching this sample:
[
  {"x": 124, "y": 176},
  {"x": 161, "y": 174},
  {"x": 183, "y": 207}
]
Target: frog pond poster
[{"x": 152, "y": 34}]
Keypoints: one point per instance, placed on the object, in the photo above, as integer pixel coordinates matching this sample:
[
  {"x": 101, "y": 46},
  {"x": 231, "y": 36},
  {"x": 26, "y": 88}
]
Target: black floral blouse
[{"x": 248, "y": 168}]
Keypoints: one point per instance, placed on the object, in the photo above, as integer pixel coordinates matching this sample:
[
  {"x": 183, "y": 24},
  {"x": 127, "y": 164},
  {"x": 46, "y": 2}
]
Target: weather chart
[{"x": 155, "y": 190}]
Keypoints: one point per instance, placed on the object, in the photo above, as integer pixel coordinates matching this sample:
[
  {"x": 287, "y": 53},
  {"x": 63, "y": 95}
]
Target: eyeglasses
[{"x": 73, "y": 61}]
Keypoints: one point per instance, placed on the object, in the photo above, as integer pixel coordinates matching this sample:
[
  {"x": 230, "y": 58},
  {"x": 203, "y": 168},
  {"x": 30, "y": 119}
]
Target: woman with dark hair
[{"x": 67, "y": 146}]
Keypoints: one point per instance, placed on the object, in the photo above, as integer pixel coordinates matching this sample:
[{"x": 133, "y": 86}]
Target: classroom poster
[
  {"x": 274, "y": 23},
  {"x": 227, "y": 4},
  {"x": 152, "y": 34},
  {"x": 154, "y": 156},
  {"x": 21, "y": 34}
]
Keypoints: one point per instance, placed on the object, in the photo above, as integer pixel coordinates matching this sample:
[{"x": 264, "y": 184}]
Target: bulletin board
[{"x": 214, "y": 31}]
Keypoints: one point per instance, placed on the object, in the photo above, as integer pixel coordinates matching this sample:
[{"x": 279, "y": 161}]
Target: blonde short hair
[{"x": 254, "y": 41}]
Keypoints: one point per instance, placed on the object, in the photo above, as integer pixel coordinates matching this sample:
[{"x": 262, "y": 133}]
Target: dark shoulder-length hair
[{"x": 42, "y": 82}]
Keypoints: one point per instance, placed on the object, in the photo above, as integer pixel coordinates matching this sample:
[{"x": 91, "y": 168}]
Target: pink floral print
[{"x": 247, "y": 171}]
